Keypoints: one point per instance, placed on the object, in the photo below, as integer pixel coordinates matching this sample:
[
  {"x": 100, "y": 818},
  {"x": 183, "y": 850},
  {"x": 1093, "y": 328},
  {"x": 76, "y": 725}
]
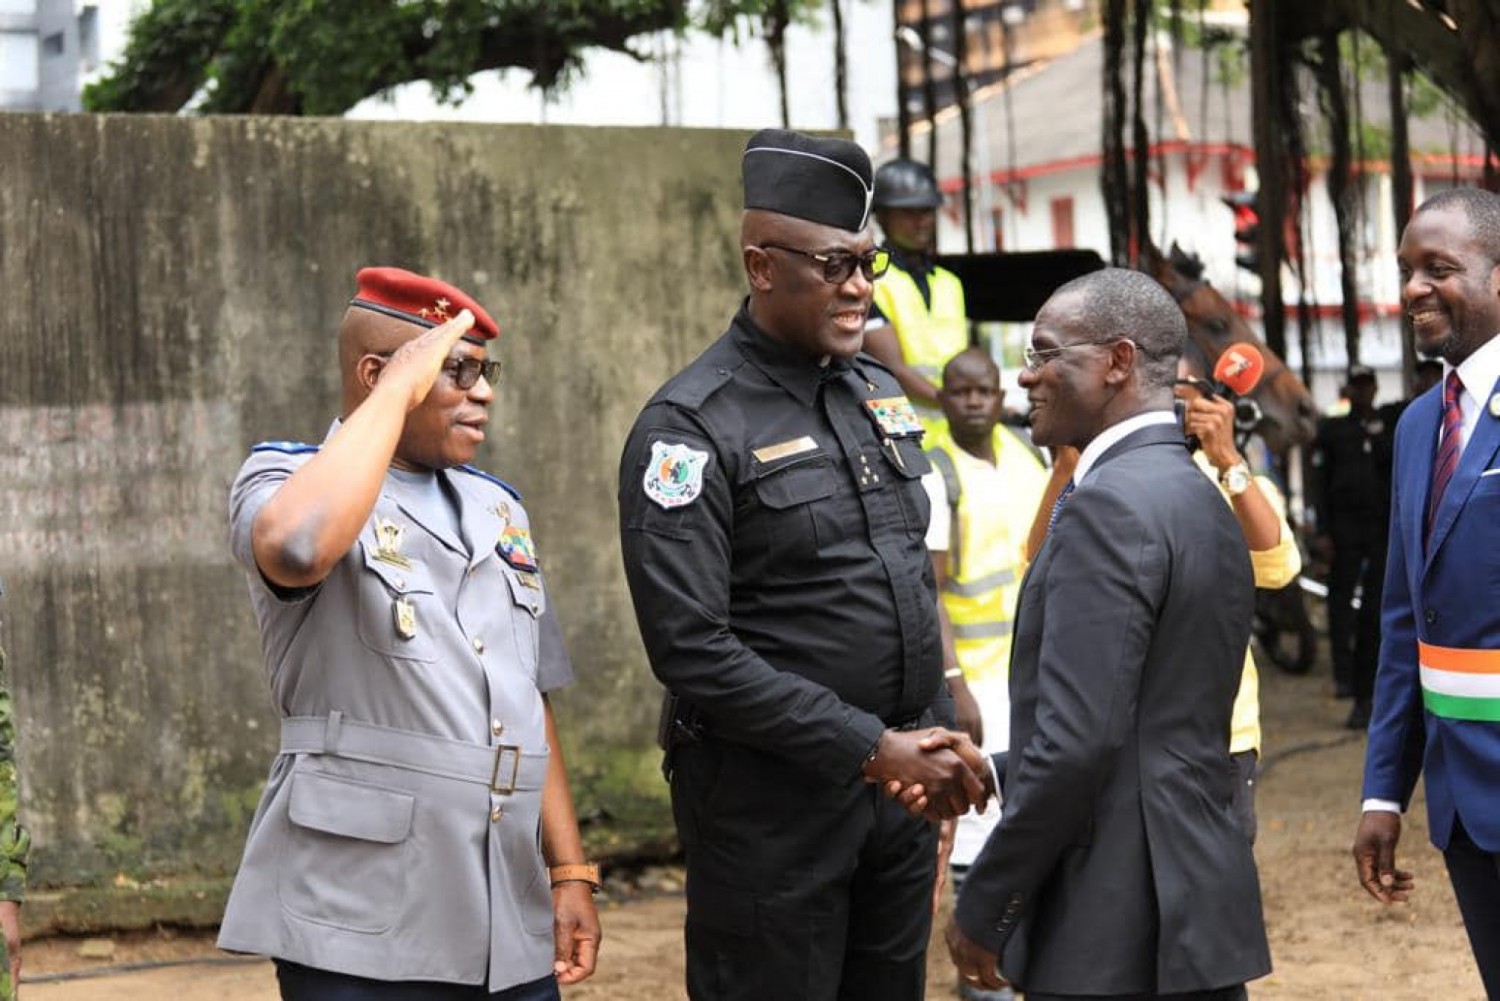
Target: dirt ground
[{"x": 1328, "y": 940}]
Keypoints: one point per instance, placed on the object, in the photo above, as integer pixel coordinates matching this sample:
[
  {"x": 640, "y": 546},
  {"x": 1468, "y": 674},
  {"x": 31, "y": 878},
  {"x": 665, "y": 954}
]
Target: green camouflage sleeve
[{"x": 15, "y": 841}]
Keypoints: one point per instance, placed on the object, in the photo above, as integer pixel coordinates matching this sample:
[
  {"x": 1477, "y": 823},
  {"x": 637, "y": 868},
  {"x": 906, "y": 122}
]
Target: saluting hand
[{"x": 415, "y": 365}]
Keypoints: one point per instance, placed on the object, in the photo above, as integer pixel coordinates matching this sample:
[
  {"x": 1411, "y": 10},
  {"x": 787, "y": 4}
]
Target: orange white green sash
[{"x": 1460, "y": 684}]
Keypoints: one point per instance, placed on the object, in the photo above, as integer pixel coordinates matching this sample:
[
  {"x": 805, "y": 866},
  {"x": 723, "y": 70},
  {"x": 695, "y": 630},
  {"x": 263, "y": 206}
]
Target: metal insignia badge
[
  {"x": 674, "y": 474},
  {"x": 388, "y": 543},
  {"x": 405, "y": 614},
  {"x": 1495, "y": 405},
  {"x": 895, "y": 416}
]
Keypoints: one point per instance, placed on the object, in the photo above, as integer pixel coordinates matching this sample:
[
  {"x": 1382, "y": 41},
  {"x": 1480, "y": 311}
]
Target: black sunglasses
[
  {"x": 464, "y": 371},
  {"x": 839, "y": 265}
]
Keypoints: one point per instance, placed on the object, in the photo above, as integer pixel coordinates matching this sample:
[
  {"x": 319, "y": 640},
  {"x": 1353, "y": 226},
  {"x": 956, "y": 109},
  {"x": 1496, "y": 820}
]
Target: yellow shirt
[{"x": 1274, "y": 568}]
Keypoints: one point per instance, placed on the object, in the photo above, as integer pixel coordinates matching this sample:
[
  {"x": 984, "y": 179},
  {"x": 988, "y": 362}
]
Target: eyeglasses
[
  {"x": 1035, "y": 358},
  {"x": 466, "y": 371},
  {"x": 839, "y": 265}
]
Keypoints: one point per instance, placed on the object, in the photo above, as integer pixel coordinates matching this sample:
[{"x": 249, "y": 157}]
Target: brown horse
[{"x": 1288, "y": 415}]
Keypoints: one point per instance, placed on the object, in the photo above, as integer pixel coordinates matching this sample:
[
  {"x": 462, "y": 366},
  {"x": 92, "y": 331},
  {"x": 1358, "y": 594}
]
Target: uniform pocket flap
[
  {"x": 350, "y": 809},
  {"x": 409, "y": 579},
  {"x": 798, "y": 482},
  {"x": 526, "y": 590}
]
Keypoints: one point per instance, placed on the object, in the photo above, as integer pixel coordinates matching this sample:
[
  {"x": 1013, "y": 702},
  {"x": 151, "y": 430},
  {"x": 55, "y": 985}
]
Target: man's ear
[
  {"x": 1122, "y": 358},
  {"x": 367, "y": 371},
  {"x": 758, "y": 269}
]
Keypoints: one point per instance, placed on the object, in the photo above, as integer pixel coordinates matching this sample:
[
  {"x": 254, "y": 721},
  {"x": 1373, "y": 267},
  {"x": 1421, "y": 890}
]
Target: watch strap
[{"x": 575, "y": 872}]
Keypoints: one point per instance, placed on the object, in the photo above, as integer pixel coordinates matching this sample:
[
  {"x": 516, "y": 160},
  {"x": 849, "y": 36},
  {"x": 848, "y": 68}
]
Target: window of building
[
  {"x": 18, "y": 60},
  {"x": 54, "y": 44},
  {"x": 88, "y": 37},
  {"x": 1062, "y": 223},
  {"x": 17, "y": 6}
]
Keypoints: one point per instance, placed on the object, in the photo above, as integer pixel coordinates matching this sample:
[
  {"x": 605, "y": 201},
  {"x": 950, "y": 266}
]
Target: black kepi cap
[{"x": 826, "y": 181}]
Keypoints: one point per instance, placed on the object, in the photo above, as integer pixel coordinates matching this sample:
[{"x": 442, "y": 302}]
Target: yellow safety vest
[
  {"x": 929, "y": 335},
  {"x": 991, "y": 519}
]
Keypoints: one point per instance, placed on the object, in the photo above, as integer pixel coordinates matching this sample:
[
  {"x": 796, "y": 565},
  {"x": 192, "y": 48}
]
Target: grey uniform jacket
[{"x": 398, "y": 834}]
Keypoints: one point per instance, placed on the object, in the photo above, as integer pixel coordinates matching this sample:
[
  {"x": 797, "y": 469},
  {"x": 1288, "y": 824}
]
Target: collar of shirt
[
  {"x": 789, "y": 368},
  {"x": 1107, "y": 438},
  {"x": 1479, "y": 372},
  {"x": 911, "y": 261}
]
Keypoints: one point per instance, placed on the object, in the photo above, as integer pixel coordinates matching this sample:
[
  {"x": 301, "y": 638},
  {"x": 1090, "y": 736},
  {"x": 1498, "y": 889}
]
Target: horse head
[{"x": 1289, "y": 416}]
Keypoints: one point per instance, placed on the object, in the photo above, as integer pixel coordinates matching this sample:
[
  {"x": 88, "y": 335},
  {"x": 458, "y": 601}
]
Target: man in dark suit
[{"x": 1118, "y": 869}]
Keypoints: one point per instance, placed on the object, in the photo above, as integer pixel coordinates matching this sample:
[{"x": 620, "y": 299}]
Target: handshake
[{"x": 936, "y": 773}]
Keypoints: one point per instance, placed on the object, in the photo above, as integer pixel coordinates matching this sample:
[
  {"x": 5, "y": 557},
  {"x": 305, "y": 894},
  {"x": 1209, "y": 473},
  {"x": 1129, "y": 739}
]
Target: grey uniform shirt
[{"x": 386, "y": 844}]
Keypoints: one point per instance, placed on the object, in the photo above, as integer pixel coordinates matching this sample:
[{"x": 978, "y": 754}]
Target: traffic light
[{"x": 1246, "y": 228}]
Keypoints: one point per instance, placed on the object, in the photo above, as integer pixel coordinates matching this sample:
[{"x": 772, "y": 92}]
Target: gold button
[
  {"x": 496, "y": 813},
  {"x": 864, "y": 481},
  {"x": 478, "y": 645},
  {"x": 497, "y": 727},
  {"x": 876, "y": 476}
]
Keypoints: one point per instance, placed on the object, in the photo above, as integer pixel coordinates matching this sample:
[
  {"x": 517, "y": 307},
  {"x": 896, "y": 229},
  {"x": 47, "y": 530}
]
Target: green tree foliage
[{"x": 320, "y": 57}]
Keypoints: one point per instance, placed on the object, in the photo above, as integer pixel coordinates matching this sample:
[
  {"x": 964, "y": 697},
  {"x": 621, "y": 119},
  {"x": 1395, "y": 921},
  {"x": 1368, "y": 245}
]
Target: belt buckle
[{"x": 508, "y": 786}]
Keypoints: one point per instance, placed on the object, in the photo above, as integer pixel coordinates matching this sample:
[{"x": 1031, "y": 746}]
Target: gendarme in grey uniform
[{"x": 397, "y": 837}]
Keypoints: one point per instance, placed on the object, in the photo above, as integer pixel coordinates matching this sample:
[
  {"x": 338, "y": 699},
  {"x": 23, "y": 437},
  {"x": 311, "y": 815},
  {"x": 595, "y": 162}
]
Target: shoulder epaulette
[
  {"x": 289, "y": 447},
  {"x": 696, "y": 383},
  {"x": 497, "y": 481}
]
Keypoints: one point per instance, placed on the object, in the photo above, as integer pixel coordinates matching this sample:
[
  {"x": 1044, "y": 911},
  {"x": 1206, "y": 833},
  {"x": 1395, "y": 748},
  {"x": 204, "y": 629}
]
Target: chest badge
[
  {"x": 514, "y": 545},
  {"x": 894, "y": 416},
  {"x": 388, "y": 543},
  {"x": 405, "y": 615},
  {"x": 674, "y": 474}
]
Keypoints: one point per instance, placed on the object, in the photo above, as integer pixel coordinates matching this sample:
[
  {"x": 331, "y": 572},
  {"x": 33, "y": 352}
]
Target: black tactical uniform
[
  {"x": 1352, "y": 464},
  {"x": 772, "y": 523}
]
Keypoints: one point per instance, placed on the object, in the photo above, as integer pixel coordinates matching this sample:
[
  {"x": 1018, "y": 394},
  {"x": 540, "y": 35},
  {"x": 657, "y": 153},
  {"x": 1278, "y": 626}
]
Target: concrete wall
[{"x": 170, "y": 291}]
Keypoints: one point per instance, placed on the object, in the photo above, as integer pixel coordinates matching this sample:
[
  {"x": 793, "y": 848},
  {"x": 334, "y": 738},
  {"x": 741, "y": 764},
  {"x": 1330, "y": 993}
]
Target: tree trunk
[
  {"x": 903, "y": 113},
  {"x": 1113, "y": 178},
  {"x": 1268, "y": 73},
  {"x": 1341, "y": 190},
  {"x": 1140, "y": 139},
  {"x": 1402, "y": 189},
  {"x": 929, "y": 87},
  {"x": 776, "y": 20},
  {"x": 841, "y": 65},
  {"x": 965, "y": 119}
]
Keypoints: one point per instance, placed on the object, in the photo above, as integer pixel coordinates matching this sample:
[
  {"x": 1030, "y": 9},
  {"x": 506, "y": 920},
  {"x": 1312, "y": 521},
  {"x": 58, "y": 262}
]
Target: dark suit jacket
[{"x": 1118, "y": 866}]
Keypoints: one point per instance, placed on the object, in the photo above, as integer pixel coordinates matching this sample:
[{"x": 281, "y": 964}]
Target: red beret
[{"x": 426, "y": 302}]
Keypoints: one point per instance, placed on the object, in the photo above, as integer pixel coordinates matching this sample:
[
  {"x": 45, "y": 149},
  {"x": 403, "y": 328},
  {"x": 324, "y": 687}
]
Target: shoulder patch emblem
[
  {"x": 674, "y": 474},
  {"x": 894, "y": 416}
]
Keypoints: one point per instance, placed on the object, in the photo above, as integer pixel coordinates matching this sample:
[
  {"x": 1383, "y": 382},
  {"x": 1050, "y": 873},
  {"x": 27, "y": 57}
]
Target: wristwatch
[
  {"x": 1235, "y": 479},
  {"x": 576, "y": 872}
]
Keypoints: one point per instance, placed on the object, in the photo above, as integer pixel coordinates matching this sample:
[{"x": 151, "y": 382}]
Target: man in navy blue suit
[{"x": 1437, "y": 691}]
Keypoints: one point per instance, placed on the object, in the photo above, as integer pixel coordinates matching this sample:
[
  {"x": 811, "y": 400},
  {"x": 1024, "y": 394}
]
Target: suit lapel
[
  {"x": 1475, "y": 459},
  {"x": 1415, "y": 472}
]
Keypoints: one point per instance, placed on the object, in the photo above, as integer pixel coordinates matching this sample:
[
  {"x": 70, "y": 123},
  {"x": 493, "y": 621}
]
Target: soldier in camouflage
[{"x": 15, "y": 844}]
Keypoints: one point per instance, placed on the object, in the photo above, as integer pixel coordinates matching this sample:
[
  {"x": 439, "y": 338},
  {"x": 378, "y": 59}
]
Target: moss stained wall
[{"x": 171, "y": 290}]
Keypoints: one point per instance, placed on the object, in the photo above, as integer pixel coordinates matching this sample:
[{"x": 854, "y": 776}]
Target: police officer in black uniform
[
  {"x": 772, "y": 525},
  {"x": 1352, "y": 488}
]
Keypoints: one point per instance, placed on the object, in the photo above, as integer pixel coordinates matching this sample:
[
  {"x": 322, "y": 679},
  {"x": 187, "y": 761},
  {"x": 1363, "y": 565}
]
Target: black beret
[{"x": 826, "y": 181}]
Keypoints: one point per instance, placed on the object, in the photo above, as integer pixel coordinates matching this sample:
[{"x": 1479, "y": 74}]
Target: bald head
[{"x": 975, "y": 363}]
